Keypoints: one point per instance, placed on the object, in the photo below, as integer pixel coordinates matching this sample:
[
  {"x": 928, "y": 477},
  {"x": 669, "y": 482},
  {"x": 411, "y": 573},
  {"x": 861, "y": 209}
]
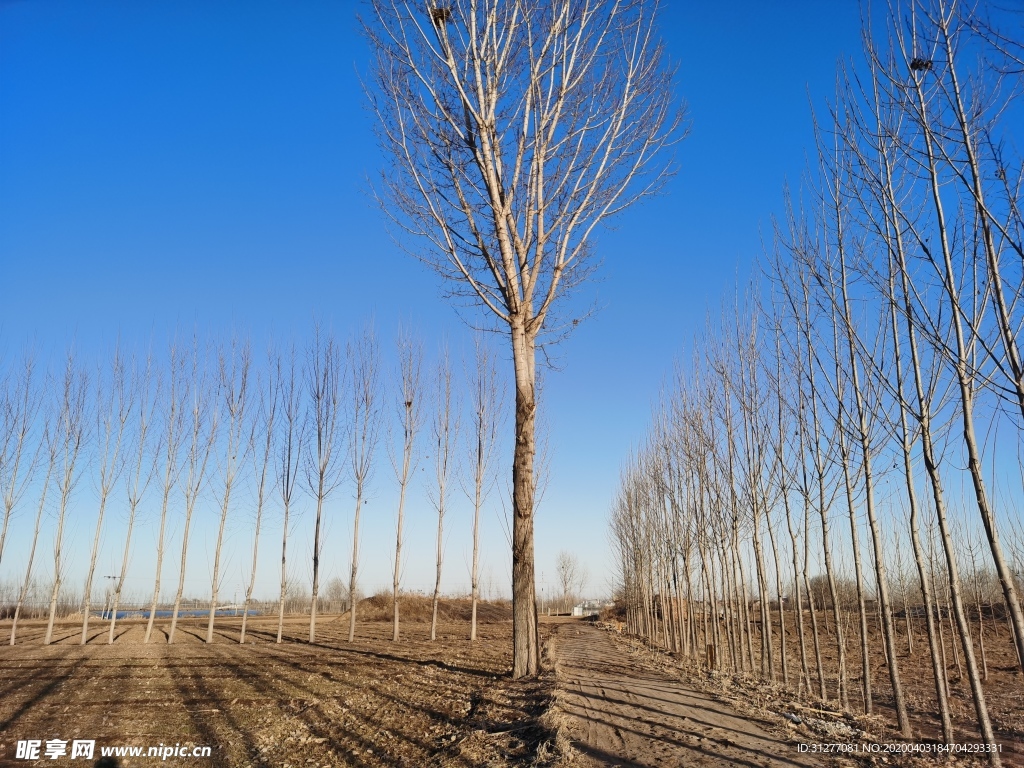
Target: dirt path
[{"x": 626, "y": 716}]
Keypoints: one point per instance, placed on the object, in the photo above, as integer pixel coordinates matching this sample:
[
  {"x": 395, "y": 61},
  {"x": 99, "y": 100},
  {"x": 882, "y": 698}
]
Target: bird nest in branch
[{"x": 440, "y": 14}]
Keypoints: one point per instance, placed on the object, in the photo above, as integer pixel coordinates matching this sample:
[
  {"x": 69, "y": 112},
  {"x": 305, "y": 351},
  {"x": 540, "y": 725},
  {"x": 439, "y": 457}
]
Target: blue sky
[{"x": 209, "y": 164}]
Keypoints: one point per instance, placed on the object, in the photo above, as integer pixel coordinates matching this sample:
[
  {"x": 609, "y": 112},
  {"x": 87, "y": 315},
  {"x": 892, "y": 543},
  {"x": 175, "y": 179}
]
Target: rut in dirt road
[{"x": 625, "y": 716}]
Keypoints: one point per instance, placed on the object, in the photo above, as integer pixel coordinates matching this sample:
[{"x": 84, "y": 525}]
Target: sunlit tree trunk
[{"x": 410, "y": 410}]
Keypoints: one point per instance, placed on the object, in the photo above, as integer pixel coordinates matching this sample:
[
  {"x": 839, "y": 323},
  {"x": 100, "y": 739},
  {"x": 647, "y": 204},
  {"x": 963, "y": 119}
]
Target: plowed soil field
[{"x": 372, "y": 702}]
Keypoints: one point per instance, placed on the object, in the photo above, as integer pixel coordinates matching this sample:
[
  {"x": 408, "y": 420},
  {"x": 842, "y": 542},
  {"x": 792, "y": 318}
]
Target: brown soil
[
  {"x": 1004, "y": 688},
  {"x": 422, "y": 703},
  {"x": 624, "y": 713},
  {"x": 369, "y": 703}
]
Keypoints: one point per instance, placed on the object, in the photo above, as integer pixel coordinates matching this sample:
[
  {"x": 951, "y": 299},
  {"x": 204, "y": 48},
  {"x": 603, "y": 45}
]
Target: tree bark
[{"x": 525, "y": 639}]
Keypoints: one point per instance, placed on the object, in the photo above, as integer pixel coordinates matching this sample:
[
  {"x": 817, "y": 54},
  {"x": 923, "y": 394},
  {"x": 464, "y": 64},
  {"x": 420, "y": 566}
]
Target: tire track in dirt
[{"x": 622, "y": 715}]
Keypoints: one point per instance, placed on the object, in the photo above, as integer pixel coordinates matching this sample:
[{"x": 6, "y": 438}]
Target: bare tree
[
  {"x": 203, "y": 422},
  {"x": 323, "y": 460},
  {"x": 18, "y": 410},
  {"x": 445, "y": 431},
  {"x": 234, "y": 388},
  {"x": 115, "y": 404},
  {"x": 364, "y": 365},
  {"x": 71, "y": 434},
  {"x": 514, "y": 129},
  {"x": 173, "y": 427},
  {"x": 486, "y": 403},
  {"x": 571, "y": 577},
  {"x": 410, "y": 412},
  {"x": 261, "y": 448},
  {"x": 144, "y": 458},
  {"x": 49, "y": 438},
  {"x": 290, "y": 451}
]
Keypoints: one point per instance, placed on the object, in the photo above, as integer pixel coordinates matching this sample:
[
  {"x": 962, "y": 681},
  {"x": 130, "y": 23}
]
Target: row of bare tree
[
  {"x": 182, "y": 434},
  {"x": 846, "y": 404}
]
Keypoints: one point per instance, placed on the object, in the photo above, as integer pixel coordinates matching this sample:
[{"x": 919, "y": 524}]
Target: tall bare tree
[
  {"x": 486, "y": 403},
  {"x": 514, "y": 129},
  {"x": 290, "y": 452},
  {"x": 262, "y": 434},
  {"x": 324, "y": 457},
  {"x": 203, "y": 422},
  {"x": 364, "y": 431},
  {"x": 445, "y": 434},
  {"x": 114, "y": 399},
  {"x": 144, "y": 458},
  {"x": 173, "y": 414},
  {"x": 233, "y": 368},
  {"x": 49, "y": 437},
  {"x": 571, "y": 577},
  {"x": 19, "y": 407},
  {"x": 71, "y": 433},
  {"x": 410, "y": 414}
]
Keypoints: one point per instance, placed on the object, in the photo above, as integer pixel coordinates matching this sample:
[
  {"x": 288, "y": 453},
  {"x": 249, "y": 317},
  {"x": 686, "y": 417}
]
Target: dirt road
[{"x": 624, "y": 716}]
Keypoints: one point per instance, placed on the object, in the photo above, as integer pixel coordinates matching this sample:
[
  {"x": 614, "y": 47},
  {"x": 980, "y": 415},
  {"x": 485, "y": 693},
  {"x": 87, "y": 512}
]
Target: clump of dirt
[
  {"x": 613, "y": 613},
  {"x": 419, "y": 608}
]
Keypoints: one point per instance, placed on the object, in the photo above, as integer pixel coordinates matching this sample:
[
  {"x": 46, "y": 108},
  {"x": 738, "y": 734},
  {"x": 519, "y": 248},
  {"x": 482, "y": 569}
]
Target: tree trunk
[
  {"x": 525, "y": 640},
  {"x": 215, "y": 582},
  {"x": 159, "y": 558},
  {"x": 57, "y": 549},
  {"x": 474, "y": 577},
  {"x": 124, "y": 570},
  {"x": 858, "y": 572},
  {"x": 181, "y": 575},
  {"x": 398, "y": 541},
  {"x": 353, "y": 600},
  {"x": 87, "y": 601},
  {"x": 782, "y": 611},
  {"x": 316, "y": 565},
  {"x": 31, "y": 553},
  {"x": 252, "y": 575},
  {"x": 440, "y": 558},
  {"x": 284, "y": 574}
]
